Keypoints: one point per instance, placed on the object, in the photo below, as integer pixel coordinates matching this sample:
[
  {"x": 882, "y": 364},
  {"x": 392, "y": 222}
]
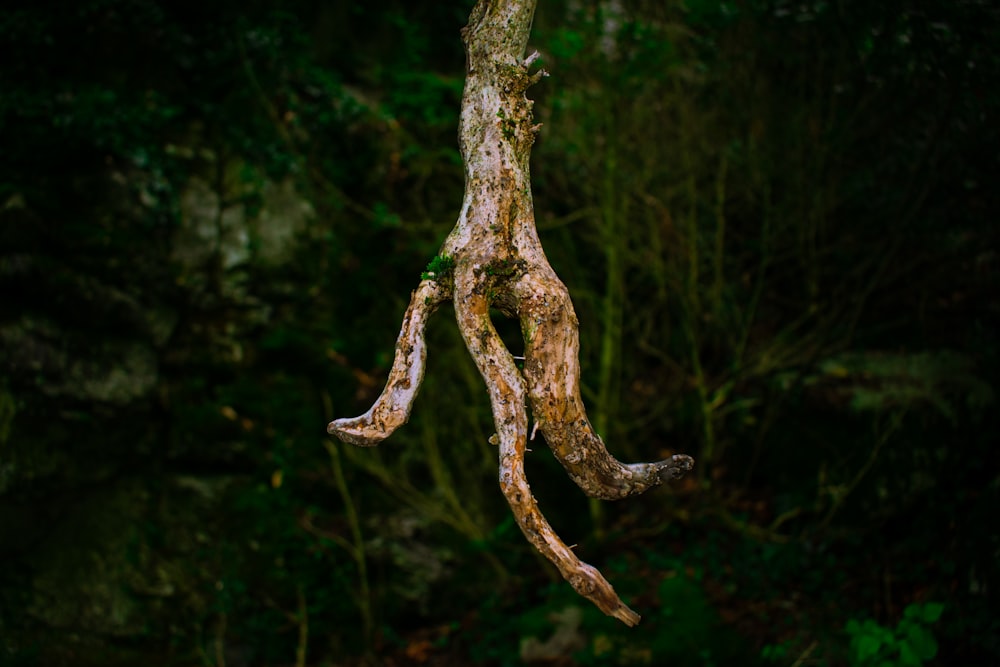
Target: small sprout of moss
[{"x": 439, "y": 268}]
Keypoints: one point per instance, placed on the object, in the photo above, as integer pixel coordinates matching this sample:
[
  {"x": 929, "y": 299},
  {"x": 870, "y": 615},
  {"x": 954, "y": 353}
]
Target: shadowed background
[{"x": 778, "y": 222}]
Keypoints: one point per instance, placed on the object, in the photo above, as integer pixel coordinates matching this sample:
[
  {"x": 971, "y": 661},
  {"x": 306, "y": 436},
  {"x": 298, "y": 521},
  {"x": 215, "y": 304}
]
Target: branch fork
[{"x": 496, "y": 260}]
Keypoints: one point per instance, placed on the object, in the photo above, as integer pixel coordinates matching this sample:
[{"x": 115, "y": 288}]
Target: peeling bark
[{"x": 496, "y": 260}]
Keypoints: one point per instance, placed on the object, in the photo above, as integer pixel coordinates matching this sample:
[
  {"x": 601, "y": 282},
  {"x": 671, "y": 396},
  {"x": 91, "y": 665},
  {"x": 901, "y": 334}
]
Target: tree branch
[
  {"x": 392, "y": 408},
  {"x": 498, "y": 262}
]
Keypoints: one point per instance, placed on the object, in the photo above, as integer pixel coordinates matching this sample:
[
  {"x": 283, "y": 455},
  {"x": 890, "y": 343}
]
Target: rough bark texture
[{"x": 496, "y": 260}]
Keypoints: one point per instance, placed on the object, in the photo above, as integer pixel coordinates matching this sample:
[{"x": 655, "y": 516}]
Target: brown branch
[
  {"x": 499, "y": 262},
  {"x": 507, "y": 393},
  {"x": 392, "y": 409},
  {"x": 552, "y": 369}
]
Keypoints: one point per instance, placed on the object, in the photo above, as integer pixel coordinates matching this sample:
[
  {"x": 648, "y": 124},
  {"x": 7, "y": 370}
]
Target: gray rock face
[
  {"x": 115, "y": 372},
  {"x": 283, "y": 219},
  {"x": 211, "y": 229},
  {"x": 100, "y": 336}
]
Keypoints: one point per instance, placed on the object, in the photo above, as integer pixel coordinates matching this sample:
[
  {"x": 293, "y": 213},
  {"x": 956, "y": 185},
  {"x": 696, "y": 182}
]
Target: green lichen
[
  {"x": 504, "y": 268},
  {"x": 528, "y": 329},
  {"x": 512, "y": 78},
  {"x": 507, "y": 125}
]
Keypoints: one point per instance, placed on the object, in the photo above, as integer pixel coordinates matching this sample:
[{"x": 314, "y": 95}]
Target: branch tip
[
  {"x": 626, "y": 616},
  {"x": 537, "y": 76},
  {"x": 675, "y": 467}
]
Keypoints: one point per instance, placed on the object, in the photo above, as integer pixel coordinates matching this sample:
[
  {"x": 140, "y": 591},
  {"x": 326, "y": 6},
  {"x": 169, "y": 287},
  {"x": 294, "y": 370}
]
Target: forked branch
[{"x": 497, "y": 261}]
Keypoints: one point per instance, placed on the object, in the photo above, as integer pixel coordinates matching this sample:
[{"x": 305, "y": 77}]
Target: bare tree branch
[
  {"x": 495, "y": 259},
  {"x": 392, "y": 409}
]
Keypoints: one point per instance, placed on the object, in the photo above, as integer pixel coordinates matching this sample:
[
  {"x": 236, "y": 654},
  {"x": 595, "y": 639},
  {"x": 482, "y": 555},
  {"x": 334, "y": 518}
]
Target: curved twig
[
  {"x": 507, "y": 399},
  {"x": 392, "y": 408},
  {"x": 552, "y": 370}
]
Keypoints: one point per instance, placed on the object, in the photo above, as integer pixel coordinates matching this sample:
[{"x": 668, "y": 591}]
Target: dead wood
[{"x": 494, "y": 259}]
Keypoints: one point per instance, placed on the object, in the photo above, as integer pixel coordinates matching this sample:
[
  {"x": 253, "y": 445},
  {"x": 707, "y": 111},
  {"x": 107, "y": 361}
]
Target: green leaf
[
  {"x": 868, "y": 646},
  {"x": 907, "y": 656},
  {"x": 932, "y": 612},
  {"x": 870, "y": 626},
  {"x": 922, "y": 642}
]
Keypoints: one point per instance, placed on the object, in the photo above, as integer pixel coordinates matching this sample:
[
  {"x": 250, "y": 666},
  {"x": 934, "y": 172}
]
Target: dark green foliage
[
  {"x": 778, "y": 224},
  {"x": 911, "y": 643}
]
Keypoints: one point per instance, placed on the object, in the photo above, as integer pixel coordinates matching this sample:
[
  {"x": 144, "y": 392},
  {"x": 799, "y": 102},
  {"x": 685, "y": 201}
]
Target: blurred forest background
[{"x": 778, "y": 222}]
